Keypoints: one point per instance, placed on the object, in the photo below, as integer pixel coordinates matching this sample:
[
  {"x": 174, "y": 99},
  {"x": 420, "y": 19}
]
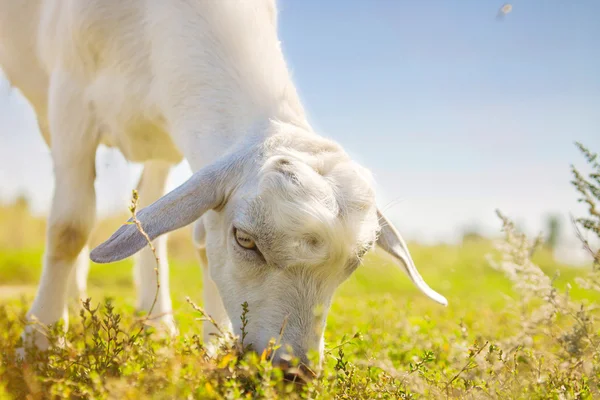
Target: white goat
[{"x": 283, "y": 216}]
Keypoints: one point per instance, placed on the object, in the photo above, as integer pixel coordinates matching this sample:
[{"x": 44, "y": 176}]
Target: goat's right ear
[
  {"x": 207, "y": 189},
  {"x": 393, "y": 244}
]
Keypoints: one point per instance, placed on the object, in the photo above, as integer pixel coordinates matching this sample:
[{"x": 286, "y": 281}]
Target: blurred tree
[
  {"x": 22, "y": 202},
  {"x": 472, "y": 233},
  {"x": 19, "y": 222},
  {"x": 553, "y": 227}
]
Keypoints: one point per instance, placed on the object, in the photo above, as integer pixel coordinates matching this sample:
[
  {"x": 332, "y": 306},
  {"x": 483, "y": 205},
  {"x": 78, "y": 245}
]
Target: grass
[
  {"x": 508, "y": 332},
  {"x": 396, "y": 326}
]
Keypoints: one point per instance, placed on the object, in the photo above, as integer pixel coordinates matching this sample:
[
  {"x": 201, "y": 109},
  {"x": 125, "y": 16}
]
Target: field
[{"x": 514, "y": 331}]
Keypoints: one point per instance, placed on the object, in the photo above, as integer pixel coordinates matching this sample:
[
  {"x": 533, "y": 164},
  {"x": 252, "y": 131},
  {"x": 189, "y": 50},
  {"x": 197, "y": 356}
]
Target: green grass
[{"x": 396, "y": 325}]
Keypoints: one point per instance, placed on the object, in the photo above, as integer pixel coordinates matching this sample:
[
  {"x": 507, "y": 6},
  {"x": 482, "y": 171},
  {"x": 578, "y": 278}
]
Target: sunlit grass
[{"x": 396, "y": 323}]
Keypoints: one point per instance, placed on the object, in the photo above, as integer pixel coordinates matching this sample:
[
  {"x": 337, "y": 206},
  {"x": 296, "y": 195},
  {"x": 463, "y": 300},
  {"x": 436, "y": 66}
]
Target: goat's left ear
[
  {"x": 207, "y": 189},
  {"x": 392, "y": 243}
]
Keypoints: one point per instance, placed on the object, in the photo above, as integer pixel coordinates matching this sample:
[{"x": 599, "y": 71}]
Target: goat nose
[{"x": 300, "y": 374}]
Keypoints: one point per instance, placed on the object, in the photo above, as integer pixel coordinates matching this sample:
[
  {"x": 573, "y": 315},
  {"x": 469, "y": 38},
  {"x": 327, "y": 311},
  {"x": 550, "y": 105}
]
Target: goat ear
[
  {"x": 392, "y": 243},
  {"x": 205, "y": 190}
]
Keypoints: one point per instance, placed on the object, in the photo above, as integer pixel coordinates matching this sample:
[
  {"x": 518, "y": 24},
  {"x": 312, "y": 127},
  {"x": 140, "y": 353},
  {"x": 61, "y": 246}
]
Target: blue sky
[{"x": 455, "y": 112}]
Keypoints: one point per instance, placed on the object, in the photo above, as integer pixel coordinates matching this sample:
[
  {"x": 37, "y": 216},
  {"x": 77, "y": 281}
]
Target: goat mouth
[{"x": 300, "y": 375}]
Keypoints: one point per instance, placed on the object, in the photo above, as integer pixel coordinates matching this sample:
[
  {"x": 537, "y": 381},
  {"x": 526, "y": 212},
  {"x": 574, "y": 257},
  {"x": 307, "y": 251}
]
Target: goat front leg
[
  {"x": 213, "y": 304},
  {"x": 71, "y": 219},
  {"x": 150, "y": 188},
  {"x": 79, "y": 273},
  {"x": 78, "y": 277}
]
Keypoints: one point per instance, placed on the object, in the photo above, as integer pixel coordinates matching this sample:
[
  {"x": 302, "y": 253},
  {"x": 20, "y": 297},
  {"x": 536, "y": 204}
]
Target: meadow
[{"x": 519, "y": 325}]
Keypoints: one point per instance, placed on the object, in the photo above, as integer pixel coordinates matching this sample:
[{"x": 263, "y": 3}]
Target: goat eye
[{"x": 244, "y": 240}]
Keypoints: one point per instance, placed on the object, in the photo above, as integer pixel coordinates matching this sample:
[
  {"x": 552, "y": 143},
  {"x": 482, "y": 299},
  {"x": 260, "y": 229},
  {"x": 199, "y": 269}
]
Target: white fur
[{"x": 204, "y": 80}]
